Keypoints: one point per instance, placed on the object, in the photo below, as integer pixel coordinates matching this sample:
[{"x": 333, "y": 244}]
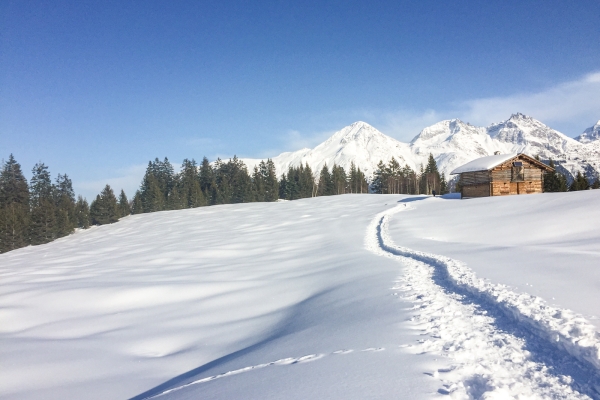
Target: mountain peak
[
  {"x": 519, "y": 116},
  {"x": 357, "y": 131},
  {"x": 591, "y": 134}
]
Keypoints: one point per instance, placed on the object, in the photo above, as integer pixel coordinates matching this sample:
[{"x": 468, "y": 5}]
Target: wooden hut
[{"x": 500, "y": 175}]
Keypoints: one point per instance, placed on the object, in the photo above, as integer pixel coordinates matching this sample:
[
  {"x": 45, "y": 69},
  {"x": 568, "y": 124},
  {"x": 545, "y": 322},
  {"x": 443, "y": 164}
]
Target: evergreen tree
[
  {"x": 14, "y": 207},
  {"x": 325, "y": 187},
  {"x": 579, "y": 183},
  {"x": 596, "y": 184},
  {"x": 379, "y": 176},
  {"x": 357, "y": 181},
  {"x": 269, "y": 175},
  {"x": 176, "y": 199},
  {"x": 265, "y": 186},
  {"x": 137, "y": 207},
  {"x": 283, "y": 187},
  {"x": 430, "y": 177},
  {"x": 157, "y": 183},
  {"x": 104, "y": 210},
  {"x": 152, "y": 195},
  {"x": 124, "y": 208},
  {"x": 82, "y": 213},
  {"x": 64, "y": 199},
  {"x": 393, "y": 173},
  {"x": 207, "y": 180},
  {"x": 338, "y": 179},
  {"x": 188, "y": 184},
  {"x": 239, "y": 181},
  {"x": 554, "y": 181},
  {"x": 42, "y": 227}
]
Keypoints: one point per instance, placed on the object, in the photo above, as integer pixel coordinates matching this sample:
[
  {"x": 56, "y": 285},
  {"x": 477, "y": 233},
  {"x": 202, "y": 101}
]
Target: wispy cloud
[
  {"x": 296, "y": 140},
  {"x": 568, "y": 102},
  {"x": 569, "y": 107}
]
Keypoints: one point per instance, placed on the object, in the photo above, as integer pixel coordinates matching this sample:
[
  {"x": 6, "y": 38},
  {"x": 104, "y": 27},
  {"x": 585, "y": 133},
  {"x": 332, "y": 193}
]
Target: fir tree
[
  {"x": 82, "y": 213},
  {"x": 283, "y": 187},
  {"x": 157, "y": 183},
  {"x": 124, "y": 208},
  {"x": 14, "y": 207},
  {"x": 64, "y": 198},
  {"x": 339, "y": 179},
  {"x": 596, "y": 184},
  {"x": 430, "y": 177},
  {"x": 258, "y": 185},
  {"x": 152, "y": 195},
  {"x": 325, "y": 187},
  {"x": 175, "y": 200},
  {"x": 269, "y": 175},
  {"x": 137, "y": 207},
  {"x": 265, "y": 186},
  {"x": 188, "y": 184},
  {"x": 554, "y": 181},
  {"x": 42, "y": 227},
  {"x": 379, "y": 177},
  {"x": 357, "y": 182},
  {"x": 579, "y": 183},
  {"x": 104, "y": 210}
]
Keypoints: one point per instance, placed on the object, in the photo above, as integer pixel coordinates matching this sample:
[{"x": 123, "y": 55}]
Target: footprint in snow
[
  {"x": 280, "y": 362},
  {"x": 374, "y": 349},
  {"x": 346, "y": 351}
]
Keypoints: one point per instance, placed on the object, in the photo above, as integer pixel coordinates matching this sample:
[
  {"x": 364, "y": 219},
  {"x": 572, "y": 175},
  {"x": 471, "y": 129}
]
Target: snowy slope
[
  {"x": 452, "y": 143},
  {"x": 116, "y": 310},
  {"x": 294, "y": 300}
]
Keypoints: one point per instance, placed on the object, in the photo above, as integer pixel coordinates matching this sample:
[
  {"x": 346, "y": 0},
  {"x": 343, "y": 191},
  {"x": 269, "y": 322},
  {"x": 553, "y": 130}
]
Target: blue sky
[{"x": 96, "y": 89}]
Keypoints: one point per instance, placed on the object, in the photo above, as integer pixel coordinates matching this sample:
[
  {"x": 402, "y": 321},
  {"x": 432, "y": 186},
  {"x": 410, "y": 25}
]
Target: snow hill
[
  {"x": 452, "y": 143},
  {"x": 337, "y": 297}
]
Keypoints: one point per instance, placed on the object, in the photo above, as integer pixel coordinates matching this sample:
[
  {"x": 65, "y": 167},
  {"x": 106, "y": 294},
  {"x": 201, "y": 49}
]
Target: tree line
[
  {"x": 42, "y": 210},
  {"x": 392, "y": 178}
]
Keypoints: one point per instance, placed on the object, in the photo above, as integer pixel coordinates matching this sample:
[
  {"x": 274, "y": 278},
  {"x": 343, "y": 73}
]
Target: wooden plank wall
[
  {"x": 481, "y": 190},
  {"x": 475, "y": 178},
  {"x": 503, "y": 172},
  {"x": 507, "y": 188}
]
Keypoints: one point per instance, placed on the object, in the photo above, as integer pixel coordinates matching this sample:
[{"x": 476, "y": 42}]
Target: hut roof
[
  {"x": 483, "y": 163},
  {"x": 489, "y": 162}
]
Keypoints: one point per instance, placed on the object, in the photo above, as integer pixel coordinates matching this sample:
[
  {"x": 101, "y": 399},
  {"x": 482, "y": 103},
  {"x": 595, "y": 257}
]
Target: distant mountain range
[{"x": 452, "y": 143}]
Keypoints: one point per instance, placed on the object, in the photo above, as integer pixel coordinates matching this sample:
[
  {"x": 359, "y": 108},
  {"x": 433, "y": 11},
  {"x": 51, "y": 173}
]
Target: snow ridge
[{"x": 566, "y": 332}]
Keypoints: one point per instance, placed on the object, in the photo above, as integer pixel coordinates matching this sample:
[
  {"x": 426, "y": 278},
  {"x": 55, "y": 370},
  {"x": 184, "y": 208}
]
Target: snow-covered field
[{"x": 353, "y": 296}]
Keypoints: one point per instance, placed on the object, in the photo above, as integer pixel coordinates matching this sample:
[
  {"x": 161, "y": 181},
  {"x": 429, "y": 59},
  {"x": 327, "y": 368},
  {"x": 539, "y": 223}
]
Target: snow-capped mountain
[
  {"x": 452, "y": 143},
  {"x": 359, "y": 142},
  {"x": 590, "y": 134}
]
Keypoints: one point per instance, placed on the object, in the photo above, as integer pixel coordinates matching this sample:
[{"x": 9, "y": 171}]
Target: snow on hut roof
[{"x": 483, "y": 163}]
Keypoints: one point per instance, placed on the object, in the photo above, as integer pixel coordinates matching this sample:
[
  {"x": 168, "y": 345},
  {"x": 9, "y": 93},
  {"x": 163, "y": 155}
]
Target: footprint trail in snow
[
  {"x": 280, "y": 362},
  {"x": 499, "y": 344}
]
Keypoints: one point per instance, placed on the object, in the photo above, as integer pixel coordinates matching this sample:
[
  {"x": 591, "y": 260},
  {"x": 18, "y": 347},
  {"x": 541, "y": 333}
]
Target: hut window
[{"x": 518, "y": 172}]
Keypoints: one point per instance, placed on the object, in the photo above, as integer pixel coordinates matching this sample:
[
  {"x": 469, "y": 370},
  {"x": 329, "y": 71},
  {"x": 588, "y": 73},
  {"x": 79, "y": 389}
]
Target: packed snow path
[{"x": 502, "y": 344}]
